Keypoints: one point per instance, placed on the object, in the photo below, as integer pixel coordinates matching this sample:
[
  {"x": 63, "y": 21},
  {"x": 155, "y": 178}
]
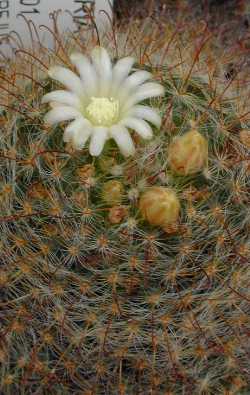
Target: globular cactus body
[{"x": 102, "y": 290}]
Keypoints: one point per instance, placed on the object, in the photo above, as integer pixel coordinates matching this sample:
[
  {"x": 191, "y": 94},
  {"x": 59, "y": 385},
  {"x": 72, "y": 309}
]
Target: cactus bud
[
  {"x": 117, "y": 214},
  {"x": 245, "y": 138},
  {"x": 160, "y": 206},
  {"x": 86, "y": 172},
  {"x": 106, "y": 163},
  {"x": 188, "y": 154},
  {"x": 112, "y": 192}
]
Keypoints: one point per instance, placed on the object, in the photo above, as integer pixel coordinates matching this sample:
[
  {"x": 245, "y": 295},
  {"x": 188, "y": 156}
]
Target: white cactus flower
[{"x": 102, "y": 102}]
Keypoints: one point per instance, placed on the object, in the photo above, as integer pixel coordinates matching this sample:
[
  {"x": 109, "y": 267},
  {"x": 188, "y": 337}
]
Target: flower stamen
[{"x": 102, "y": 111}]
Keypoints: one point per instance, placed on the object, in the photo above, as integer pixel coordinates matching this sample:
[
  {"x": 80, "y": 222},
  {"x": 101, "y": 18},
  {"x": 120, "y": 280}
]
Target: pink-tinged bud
[
  {"x": 117, "y": 214},
  {"x": 188, "y": 154},
  {"x": 160, "y": 206},
  {"x": 245, "y": 138}
]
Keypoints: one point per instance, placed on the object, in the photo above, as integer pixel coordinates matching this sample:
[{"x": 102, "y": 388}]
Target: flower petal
[
  {"x": 147, "y": 113},
  {"x": 103, "y": 66},
  {"x": 131, "y": 83},
  {"x": 54, "y": 104},
  {"x": 145, "y": 91},
  {"x": 123, "y": 139},
  {"x": 69, "y": 79},
  {"x": 62, "y": 97},
  {"x": 98, "y": 139},
  {"x": 78, "y": 131},
  {"x": 121, "y": 69},
  {"x": 120, "y": 72},
  {"x": 86, "y": 71},
  {"x": 80, "y": 138},
  {"x": 136, "y": 79},
  {"x": 60, "y": 114},
  {"x": 101, "y": 60},
  {"x": 139, "y": 126}
]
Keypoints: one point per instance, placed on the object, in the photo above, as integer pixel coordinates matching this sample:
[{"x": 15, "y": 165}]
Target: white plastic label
[{"x": 14, "y": 12}]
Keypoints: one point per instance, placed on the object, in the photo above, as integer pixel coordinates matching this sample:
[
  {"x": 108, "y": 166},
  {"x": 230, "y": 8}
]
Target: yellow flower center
[{"x": 102, "y": 111}]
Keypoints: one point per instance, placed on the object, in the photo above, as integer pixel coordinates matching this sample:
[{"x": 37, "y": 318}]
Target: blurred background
[
  {"x": 234, "y": 14},
  {"x": 213, "y": 9},
  {"x": 228, "y": 20}
]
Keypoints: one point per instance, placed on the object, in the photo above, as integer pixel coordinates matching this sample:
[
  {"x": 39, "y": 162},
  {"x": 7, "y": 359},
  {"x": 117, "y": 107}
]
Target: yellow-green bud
[
  {"x": 106, "y": 163},
  {"x": 160, "y": 206},
  {"x": 112, "y": 192},
  {"x": 86, "y": 172},
  {"x": 188, "y": 154}
]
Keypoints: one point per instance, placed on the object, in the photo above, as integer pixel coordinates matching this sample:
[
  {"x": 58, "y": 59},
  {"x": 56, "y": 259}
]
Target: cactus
[{"x": 98, "y": 296}]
